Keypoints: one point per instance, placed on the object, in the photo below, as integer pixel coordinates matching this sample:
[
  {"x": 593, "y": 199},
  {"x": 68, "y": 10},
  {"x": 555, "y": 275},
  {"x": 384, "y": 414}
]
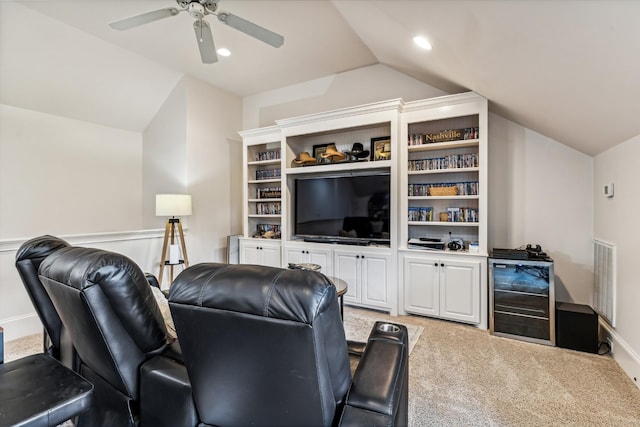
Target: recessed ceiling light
[
  {"x": 422, "y": 42},
  {"x": 223, "y": 51}
]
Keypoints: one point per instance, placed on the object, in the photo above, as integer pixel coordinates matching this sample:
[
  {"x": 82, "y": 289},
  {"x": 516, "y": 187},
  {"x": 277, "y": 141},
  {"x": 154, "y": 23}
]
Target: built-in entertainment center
[{"x": 391, "y": 197}]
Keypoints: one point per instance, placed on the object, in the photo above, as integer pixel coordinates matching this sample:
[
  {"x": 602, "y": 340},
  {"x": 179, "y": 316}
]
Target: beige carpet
[{"x": 462, "y": 376}]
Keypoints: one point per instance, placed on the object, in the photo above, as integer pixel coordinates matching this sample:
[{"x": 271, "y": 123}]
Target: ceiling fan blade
[
  {"x": 254, "y": 30},
  {"x": 205, "y": 42},
  {"x": 145, "y": 18}
]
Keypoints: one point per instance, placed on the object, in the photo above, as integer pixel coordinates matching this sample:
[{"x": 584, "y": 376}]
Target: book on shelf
[
  {"x": 443, "y": 136},
  {"x": 267, "y": 155},
  {"x": 268, "y": 193}
]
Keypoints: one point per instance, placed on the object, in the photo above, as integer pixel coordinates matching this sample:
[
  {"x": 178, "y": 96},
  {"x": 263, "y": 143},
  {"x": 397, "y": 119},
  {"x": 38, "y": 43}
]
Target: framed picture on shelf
[
  {"x": 318, "y": 150},
  {"x": 381, "y": 148}
]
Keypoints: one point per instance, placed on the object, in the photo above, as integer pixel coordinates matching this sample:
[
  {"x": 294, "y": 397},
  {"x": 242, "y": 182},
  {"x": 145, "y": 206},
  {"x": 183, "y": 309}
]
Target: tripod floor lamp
[{"x": 173, "y": 206}]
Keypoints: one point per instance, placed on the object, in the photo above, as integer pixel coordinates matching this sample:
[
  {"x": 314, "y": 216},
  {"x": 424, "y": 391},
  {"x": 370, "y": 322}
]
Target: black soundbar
[{"x": 345, "y": 241}]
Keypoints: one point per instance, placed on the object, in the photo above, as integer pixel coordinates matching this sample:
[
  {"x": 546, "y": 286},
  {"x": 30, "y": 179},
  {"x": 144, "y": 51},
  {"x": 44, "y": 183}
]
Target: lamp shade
[{"x": 173, "y": 204}]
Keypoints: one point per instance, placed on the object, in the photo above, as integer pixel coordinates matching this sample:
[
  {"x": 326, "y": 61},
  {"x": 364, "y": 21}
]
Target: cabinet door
[
  {"x": 249, "y": 254},
  {"x": 270, "y": 256},
  {"x": 345, "y": 267},
  {"x": 373, "y": 280},
  {"x": 295, "y": 256},
  {"x": 422, "y": 286},
  {"x": 460, "y": 291},
  {"x": 322, "y": 257}
]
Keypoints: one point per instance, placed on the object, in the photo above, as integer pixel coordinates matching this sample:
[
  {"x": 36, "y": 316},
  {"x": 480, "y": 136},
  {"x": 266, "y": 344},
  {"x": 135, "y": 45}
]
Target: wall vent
[{"x": 604, "y": 268}]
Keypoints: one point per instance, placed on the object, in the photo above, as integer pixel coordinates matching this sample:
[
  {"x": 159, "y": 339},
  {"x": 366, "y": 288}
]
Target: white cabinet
[
  {"x": 260, "y": 252},
  {"x": 367, "y": 275},
  {"x": 444, "y": 287},
  {"x": 314, "y": 254}
]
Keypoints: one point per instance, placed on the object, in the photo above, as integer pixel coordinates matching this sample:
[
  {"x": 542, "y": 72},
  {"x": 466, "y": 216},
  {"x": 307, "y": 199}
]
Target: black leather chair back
[
  {"x": 28, "y": 259},
  {"x": 106, "y": 304},
  {"x": 262, "y": 346}
]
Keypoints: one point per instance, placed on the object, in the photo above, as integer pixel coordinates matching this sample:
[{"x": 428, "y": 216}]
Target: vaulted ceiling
[{"x": 566, "y": 69}]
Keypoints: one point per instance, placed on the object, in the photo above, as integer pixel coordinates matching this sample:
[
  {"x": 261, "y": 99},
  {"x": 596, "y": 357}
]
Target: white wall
[
  {"x": 164, "y": 165},
  {"x": 540, "y": 193},
  {"x": 64, "y": 177},
  {"x": 348, "y": 89},
  {"x": 213, "y": 163},
  {"x": 616, "y": 222}
]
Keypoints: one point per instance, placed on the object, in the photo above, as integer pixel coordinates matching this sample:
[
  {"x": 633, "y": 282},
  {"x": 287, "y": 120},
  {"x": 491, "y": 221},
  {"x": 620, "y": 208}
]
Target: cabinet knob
[
  {"x": 442, "y": 265},
  {"x": 357, "y": 256},
  {"x": 435, "y": 264},
  {"x": 362, "y": 256}
]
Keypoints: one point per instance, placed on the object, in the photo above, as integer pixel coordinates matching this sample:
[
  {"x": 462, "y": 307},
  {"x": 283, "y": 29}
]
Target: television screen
[{"x": 349, "y": 207}]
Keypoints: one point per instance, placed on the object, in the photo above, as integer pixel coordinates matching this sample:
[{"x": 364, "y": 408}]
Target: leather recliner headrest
[
  {"x": 38, "y": 248},
  {"x": 295, "y": 295}
]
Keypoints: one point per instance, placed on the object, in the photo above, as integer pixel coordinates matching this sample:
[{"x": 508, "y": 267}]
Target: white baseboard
[
  {"x": 623, "y": 354},
  {"x": 21, "y": 326}
]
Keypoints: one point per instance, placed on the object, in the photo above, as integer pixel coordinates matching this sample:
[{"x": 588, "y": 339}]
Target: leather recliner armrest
[
  {"x": 380, "y": 386},
  {"x": 165, "y": 394}
]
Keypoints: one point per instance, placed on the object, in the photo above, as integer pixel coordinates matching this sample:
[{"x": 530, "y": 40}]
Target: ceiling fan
[{"x": 198, "y": 9}]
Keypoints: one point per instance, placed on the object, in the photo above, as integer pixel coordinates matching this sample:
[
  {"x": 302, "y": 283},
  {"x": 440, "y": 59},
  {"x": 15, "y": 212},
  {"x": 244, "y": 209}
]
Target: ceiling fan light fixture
[
  {"x": 422, "y": 42},
  {"x": 223, "y": 51}
]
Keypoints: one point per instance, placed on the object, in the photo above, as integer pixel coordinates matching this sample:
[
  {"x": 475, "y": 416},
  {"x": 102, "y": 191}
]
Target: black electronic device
[
  {"x": 535, "y": 252},
  {"x": 342, "y": 241},
  {"x": 454, "y": 245},
  {"x": 426, "y": 243},
  {"x": 350, "y": 206},
  {"x": 509, "y": 254},
  {"x": 576, "y": 327}
]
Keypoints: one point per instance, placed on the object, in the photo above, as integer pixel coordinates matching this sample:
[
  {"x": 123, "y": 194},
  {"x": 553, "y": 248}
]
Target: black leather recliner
[
  {"x": 28, "y": 259},
  {"x": 115, "y": 325},
  {"x": 266, "y": 347}
]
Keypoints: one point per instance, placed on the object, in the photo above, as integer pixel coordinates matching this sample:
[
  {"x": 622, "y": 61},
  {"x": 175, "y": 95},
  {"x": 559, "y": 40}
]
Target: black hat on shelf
[{"x": 358, "y": 151}]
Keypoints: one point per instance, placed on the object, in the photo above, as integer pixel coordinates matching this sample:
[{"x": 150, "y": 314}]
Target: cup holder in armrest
[{"x": 388, "y": 327}]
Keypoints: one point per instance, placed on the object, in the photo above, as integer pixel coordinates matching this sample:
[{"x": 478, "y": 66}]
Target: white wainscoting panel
[{"x": 17, "y": 315}]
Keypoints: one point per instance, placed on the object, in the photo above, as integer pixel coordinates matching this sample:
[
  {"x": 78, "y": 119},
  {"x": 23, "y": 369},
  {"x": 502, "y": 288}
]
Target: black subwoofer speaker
[{"x": 576, "y": 327}]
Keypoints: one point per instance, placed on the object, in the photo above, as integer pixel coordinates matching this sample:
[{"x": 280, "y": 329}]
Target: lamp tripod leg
[{"x": 165, "y": 247}]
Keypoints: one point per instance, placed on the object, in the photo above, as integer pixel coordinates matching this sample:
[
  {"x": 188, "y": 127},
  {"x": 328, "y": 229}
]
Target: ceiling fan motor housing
[
  {"x": 200, "y": 6},
  {"x": 196, "y": 10}
]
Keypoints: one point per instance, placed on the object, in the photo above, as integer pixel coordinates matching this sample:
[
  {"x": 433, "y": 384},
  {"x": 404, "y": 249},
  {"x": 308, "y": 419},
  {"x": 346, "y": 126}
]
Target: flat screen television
[{"x": 344, "y": 208}]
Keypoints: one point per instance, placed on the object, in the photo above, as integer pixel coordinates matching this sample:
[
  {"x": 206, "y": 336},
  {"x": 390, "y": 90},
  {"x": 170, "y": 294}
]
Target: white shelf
[
  {"x": 264, "y": 216},
  {"x": 265, "y": 200},
  {"x": 443, "y": 197},
  {"x": 263, "y": 181},
  {"x": 264, "y": 162},
  {"x": 443, "y": 145},
  {"x": 336, "y": 167},
  {"x": 444, "y": 223}
]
